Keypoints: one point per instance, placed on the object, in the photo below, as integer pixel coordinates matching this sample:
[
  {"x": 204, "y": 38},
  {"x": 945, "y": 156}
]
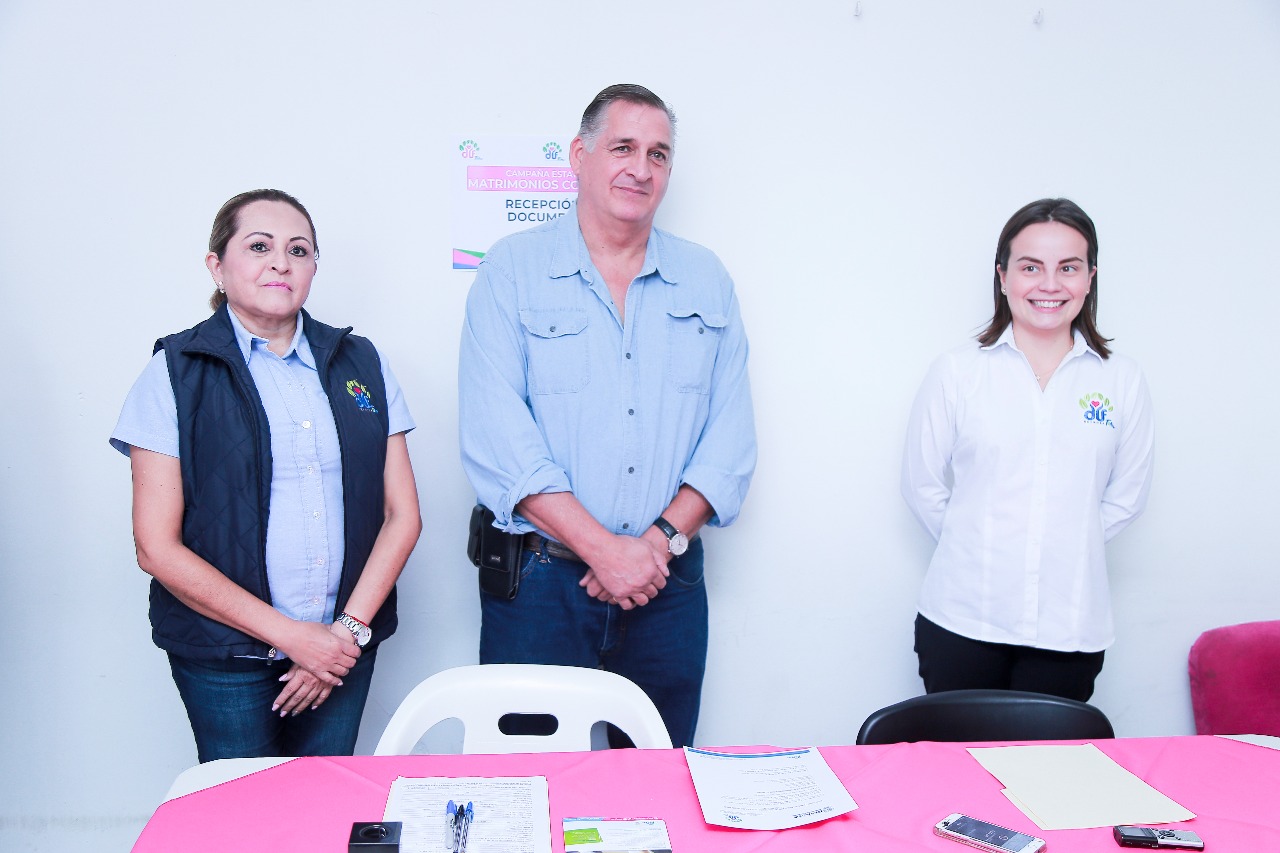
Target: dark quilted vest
[{"x": 224, "y": 443}]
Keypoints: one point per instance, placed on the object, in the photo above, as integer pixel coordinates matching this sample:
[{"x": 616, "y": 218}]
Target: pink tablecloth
[{"x": 902, "y": 790}]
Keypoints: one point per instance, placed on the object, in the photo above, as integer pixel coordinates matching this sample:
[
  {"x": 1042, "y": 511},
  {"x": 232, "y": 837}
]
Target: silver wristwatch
[
  {"x": 362, "y": 632},
  {"x": 677, "y": 542}
]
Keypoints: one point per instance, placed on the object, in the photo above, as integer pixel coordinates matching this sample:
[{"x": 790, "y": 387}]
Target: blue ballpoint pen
[
  {"x": 468, "y": 817},
  {"x": 450, "y": 827}
]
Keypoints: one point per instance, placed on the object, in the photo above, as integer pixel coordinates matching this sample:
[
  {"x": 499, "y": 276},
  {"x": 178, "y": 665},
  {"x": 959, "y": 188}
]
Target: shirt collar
[
  {"x": 572, "y": 258},
  {"x": 245, "y": 339},
  {"x": 1078, "y": 346}
]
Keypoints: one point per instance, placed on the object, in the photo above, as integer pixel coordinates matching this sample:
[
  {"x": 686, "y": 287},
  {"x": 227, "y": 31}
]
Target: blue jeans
[
  {"x": 229, "y": 705},
  {"x": 662, "y": 646}
]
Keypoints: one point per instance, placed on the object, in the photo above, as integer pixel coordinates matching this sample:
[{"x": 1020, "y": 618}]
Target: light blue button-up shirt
[
  {"x": 305, "y": 542},
  {"x": 558, "y": 394}
]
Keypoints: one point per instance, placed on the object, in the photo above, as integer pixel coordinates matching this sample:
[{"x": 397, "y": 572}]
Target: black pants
[{"x": 951, "y": 662}]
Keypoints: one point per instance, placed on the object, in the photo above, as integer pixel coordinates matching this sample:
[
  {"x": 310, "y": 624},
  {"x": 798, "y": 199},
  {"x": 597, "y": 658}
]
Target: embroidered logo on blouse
[
  {"x": 1097, "y": 409},
  {"x": 363, "y": 401}
]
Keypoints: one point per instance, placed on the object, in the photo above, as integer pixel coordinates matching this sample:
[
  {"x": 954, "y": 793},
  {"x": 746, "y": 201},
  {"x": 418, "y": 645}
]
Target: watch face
[
  {"x": 678, "y": 544},
  {"x": 363, "y": 635}
]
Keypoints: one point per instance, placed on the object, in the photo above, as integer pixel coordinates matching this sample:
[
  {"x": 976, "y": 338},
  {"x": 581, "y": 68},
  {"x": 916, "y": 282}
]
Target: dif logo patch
[{"x": 1097, "y": 409}]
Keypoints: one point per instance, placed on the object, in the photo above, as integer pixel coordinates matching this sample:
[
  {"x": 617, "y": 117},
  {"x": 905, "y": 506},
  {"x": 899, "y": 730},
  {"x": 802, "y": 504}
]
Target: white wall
[{"x": 852, "y": 172}]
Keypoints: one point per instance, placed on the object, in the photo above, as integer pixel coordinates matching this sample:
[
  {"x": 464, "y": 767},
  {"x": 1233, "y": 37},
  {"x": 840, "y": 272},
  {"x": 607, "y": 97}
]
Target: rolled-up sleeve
[
  {"x": 724, "y": 457},
  {"x": 503, "y": 452},
  {"x": 926, "y": 457}
]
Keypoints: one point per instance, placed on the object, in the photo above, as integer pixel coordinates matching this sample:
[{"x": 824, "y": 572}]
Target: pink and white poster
[{"x": 506, "y": 183}]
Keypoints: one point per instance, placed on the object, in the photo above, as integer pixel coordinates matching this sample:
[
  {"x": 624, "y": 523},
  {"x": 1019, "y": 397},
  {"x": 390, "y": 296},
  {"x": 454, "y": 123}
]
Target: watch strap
[
  {"x": 668, "y": 529},
  {"x": 362, "y": 632}
]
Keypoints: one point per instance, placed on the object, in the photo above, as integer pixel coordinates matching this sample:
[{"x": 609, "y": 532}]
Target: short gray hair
[{"x": 632, "y": 93}]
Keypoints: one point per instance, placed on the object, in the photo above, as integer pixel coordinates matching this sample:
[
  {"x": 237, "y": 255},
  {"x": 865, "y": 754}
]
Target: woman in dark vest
[{"x": 274, "y": 504}]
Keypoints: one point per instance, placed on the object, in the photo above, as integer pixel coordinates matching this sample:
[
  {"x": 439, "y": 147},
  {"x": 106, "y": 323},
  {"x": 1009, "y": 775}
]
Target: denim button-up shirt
[
  {"x": 558, "y": 394},
  {"x": 305, "y": 536}
]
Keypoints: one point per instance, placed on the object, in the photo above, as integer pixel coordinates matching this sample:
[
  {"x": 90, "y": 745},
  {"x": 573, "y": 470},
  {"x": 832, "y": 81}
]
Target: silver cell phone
[
  {"x": 1141, "y": 836},
  {"x": 987, "y": 836}
]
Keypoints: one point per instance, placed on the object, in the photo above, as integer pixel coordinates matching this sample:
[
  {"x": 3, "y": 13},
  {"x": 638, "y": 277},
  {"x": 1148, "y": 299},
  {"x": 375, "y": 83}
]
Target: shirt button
[
  {"x": 310, "y": 470},
  {"x": 631, "y": 411},
  {"x": 631, "y": 470},
  {"x": 315, "y": 601},
  {"x": 628, "y": 355},
  {"x": 320, "y": 561},
  {"x": 306, "y": 424},
  {"x": 315, "y": 514},
  {"x": 552, "y": 329},
  {"x": 625, "y": 526},
  {"x": 701, "y": 331}
]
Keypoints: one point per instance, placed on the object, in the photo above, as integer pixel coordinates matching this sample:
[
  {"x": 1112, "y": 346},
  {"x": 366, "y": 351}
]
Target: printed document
[
  {"x": 511, "y": 813},
  {"x": 605, "y": 835},
  {"x": 773, "y": 790}
]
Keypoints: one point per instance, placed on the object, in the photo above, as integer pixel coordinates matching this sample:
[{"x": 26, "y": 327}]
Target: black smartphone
[{"x": 1141, "y": 836}]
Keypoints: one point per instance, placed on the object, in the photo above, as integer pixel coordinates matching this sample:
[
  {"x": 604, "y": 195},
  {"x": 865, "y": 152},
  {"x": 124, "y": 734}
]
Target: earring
[
  {"x": 221, "y": 289},
  {"x": 1005, "y": 292}
]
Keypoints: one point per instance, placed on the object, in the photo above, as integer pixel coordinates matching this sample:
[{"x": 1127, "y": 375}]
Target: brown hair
[
  {"x": 1049, "y": 210},
  {"x": 227, "y": 222}
]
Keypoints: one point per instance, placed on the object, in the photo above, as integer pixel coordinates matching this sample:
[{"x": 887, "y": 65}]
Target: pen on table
[
  {"x": 468, "y": 817},
  {"x": 450, "y": 828},
  {"x": 459, "y": 819}
]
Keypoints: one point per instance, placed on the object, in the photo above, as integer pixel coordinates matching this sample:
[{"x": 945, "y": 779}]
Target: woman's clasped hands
[{"x": 321, "y": 654}]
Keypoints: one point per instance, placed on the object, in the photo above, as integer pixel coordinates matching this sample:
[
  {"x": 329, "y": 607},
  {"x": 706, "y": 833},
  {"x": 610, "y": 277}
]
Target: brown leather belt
[{"x": 539, "y": 544}]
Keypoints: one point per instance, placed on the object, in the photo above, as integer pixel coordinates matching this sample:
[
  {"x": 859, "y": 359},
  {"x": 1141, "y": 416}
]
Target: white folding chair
[{"x": 480, "y": 696}]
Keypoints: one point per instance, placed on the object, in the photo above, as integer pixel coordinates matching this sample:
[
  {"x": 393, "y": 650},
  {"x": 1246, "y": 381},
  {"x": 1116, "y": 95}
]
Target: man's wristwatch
[
  {"x": 362, "y": 632},
  {"x": 677, "y": 542}
]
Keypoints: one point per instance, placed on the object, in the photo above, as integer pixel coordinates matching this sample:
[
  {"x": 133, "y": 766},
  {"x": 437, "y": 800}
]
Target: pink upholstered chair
[{"x": 1235, "y": 680}]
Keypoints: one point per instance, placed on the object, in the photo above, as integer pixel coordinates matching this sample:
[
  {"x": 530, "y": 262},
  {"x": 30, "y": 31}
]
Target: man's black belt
[{"x": 539, "y": 544}]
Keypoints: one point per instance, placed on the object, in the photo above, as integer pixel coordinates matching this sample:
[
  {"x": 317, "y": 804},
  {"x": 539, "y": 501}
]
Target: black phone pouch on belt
[{"x": 496, "y": 554}]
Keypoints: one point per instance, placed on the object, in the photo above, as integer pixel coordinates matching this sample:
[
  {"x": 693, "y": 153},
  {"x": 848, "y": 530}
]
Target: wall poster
[{"x": 503, "y": 183}]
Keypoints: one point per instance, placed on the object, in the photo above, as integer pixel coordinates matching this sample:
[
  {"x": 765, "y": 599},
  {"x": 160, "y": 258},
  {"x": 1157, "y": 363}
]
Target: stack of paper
[
  {"x": 1075, "y": 787},
  {"x": 511, "y": 813}
]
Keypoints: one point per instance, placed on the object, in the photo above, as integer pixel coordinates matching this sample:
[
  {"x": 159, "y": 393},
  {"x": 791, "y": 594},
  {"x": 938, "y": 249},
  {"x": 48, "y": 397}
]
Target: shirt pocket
[
  {"x": 557, "y": 347},
  {"x": 695, "y": 338}
]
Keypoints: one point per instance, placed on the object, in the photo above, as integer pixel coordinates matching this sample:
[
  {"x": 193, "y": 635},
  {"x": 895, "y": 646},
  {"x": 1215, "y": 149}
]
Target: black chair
[{"x": 985, "y": 715}]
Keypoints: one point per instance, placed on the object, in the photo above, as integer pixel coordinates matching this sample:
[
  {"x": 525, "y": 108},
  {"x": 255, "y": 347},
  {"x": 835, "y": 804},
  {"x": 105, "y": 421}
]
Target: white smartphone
[{"x": 987, "y": 836}]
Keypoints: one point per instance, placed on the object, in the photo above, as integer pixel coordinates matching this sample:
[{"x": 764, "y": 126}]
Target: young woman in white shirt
[{"x": 1026, "y": 452}]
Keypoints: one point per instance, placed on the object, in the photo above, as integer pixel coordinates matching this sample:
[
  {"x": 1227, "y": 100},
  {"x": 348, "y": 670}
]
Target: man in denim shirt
[{"x": 605, "y": 413}]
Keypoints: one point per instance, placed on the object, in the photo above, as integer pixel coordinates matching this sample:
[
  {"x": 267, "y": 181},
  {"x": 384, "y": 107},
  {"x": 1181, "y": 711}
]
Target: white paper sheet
[
  {"x": 511, "y": 813},
  {"x": 604, "y": 835},
  {"x": 1269, "y": 741},
  {"x": 1075, "y": 787},
  {"x": 774, "y": 790}
]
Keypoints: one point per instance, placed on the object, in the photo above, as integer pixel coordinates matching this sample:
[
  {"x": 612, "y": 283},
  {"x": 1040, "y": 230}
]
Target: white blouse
[{"x": 1022, "y": 488}]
